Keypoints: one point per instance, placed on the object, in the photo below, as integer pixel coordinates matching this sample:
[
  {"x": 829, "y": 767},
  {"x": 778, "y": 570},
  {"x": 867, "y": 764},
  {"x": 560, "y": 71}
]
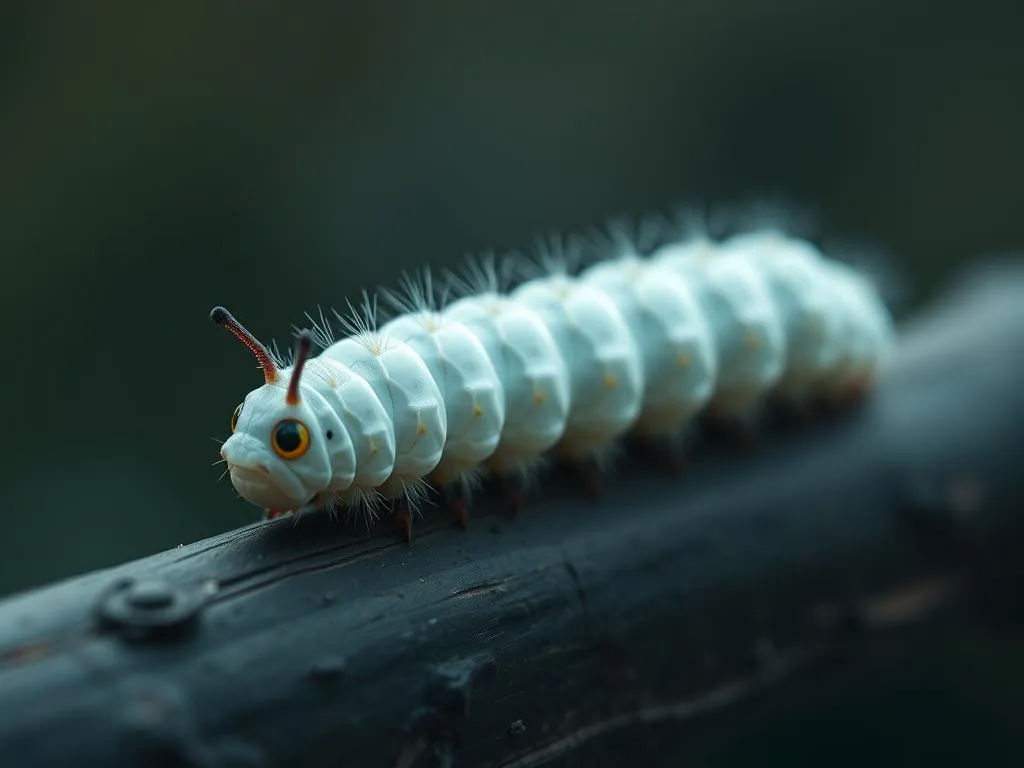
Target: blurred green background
[{"x": 159, "y": 158}]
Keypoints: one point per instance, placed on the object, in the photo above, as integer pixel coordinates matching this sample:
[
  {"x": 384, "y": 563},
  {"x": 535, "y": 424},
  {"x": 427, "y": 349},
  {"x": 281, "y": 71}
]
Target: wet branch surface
[{"x": 573, "y": 634}]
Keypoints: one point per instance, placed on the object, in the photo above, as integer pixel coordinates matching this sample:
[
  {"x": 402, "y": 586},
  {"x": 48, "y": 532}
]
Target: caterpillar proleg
[{"x": 563, "y": 365}]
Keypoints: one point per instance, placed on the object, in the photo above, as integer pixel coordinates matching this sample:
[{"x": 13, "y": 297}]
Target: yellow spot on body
[
  {"x": 373, "y": 446},
  {"x": 332, "y": 383},
  {"x": 422, "y": 429},
  {"x": 477, "y": 410},
  {"x": 610, "y": 382},
  {"x": 752, "y": 340},
  {"x": 538, "y": 398},
  {"x": 683, "y": 360}
]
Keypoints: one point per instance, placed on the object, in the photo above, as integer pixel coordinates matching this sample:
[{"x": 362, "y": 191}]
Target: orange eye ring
[
  {"x": 234, "y": 418},
  {"x": 290, "y": 438}
]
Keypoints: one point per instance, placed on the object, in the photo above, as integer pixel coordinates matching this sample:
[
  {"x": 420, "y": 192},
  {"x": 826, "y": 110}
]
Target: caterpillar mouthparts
[{"x": 563, "y": 365}]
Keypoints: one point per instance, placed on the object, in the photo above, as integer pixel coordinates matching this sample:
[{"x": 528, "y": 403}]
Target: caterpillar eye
[
  {"x": 234, "y": 417},
  {"x": 290, "y": 439}
]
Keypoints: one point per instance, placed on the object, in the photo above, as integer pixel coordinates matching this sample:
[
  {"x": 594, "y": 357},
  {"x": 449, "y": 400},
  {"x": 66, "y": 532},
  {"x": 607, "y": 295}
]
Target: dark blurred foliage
[{"x": 159, "y": 158}]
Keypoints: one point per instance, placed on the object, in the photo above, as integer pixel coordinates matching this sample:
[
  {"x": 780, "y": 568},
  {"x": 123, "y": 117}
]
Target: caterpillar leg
[
  {"x": 324, "y": 500},
  {"x": 513, "y": 494},
  {"x": 453, "y": 497},
  {"x": 403, "y": 518}
]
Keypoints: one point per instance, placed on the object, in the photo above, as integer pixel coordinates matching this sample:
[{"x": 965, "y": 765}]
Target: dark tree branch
[{"x": 522, "y": 641}]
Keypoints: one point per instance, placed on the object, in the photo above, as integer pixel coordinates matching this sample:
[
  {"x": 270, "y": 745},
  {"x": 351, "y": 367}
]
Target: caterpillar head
[{"x": 278, "y": 455}]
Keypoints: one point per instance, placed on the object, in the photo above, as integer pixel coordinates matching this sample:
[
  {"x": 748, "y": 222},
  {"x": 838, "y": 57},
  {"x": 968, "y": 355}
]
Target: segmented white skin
[
  {"x": 532, "y": 372},
  {"x": 471, "y": 389},
  {"x": 494, "y": 382},
  {"x": 802, "y": 293},
  {"x": 673, "y": 339},
  {"x": 746, "y": 325},
  {"x": 602, "y": 360},
  {"x": 413, "y": 405}
]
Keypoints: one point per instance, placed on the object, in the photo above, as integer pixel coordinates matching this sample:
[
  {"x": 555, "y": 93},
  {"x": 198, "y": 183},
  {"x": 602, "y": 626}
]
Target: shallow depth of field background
[{"x": 157, "y": 159}]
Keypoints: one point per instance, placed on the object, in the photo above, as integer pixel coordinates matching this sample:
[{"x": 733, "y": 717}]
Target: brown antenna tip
[
  {"x": 221, "y": 316},
  {"x": 303, "y": 346}
]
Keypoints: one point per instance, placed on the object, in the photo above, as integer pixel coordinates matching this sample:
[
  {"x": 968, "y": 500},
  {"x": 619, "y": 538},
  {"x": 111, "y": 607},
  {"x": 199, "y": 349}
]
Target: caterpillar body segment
[
  {"x": 366, "y": 427},
  {"x": 471, "y": 390},
  {"x": 674, "y": 342},
  {"x": 533, "y": 373},
  {"x": 602, "y": 362},
  {"x": 869, "y": 334},
  {"x": 795, "y": 274},
  {"x": 411, "y": 398},
  {"x": 498, "y": 380},
  {"x": 745, "y": 323}
]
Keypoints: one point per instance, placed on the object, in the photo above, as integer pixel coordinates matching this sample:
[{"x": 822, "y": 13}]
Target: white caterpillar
[{"x": 562, "y": 365}]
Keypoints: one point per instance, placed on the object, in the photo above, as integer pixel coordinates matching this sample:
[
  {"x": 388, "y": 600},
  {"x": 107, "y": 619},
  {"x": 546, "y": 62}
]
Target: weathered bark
[{"x": 573, "y": 630}]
